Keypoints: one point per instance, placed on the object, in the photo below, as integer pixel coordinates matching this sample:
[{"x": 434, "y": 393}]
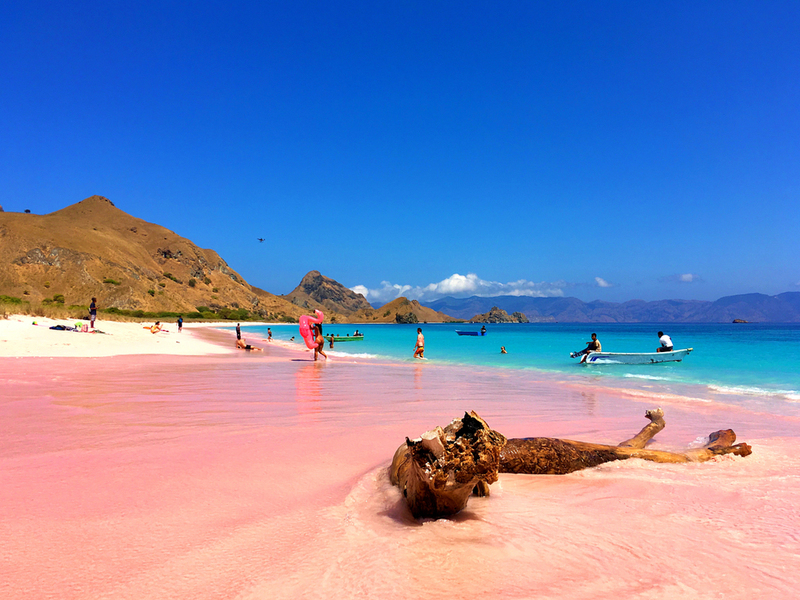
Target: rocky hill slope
[
  {"x": 316, "y": 291},
  {"x": 93, "y": 248},
  {"x": 400, "y": 310}
]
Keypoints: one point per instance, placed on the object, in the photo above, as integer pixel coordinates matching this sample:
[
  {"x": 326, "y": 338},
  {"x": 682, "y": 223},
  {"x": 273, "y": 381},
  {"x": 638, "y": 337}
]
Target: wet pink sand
[{"x": 264, "y": 476}]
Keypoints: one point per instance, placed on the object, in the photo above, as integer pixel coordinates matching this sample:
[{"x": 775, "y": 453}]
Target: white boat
[{"x": 635, "y": 358}]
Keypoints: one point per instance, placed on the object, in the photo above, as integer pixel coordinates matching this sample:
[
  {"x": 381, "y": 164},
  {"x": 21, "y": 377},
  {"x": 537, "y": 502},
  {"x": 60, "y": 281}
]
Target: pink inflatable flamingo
[{"x": 305, "y": 328}]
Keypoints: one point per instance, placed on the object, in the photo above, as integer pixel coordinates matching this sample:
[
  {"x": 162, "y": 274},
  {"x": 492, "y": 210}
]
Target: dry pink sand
[{"x": 264, "y": 476}]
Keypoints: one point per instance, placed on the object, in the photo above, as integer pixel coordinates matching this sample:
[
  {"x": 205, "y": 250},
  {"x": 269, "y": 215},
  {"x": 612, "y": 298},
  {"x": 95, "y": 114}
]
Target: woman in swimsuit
[{"x": 320, "y": 341}]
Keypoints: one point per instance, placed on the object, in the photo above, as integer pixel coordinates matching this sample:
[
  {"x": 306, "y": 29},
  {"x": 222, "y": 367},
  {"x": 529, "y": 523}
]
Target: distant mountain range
[
  {"x": 92, "y": 248},
  {"x": 756, "y": 308}
]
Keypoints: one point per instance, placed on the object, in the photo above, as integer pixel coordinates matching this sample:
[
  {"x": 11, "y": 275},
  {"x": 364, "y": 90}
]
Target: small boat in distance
[
  {"x": 462, "y": 332},
  {"x": 633, "y": 358},
  {"x": 348, "y": 338}
]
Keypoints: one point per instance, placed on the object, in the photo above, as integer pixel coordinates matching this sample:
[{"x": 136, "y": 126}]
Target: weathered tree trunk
[{"x": 439, "y": 471}]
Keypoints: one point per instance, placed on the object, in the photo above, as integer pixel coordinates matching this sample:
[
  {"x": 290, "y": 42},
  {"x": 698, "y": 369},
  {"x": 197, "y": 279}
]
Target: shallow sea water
[
  {"x": 264, "y": 476},
  {"x": 748, "y": 363}
]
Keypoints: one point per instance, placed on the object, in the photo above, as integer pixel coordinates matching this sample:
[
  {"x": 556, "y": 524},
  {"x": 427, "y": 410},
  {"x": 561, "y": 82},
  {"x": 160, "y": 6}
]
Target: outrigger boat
[
  {"x": 348, "y": 338},
  {"x": 633, "y": 358}
]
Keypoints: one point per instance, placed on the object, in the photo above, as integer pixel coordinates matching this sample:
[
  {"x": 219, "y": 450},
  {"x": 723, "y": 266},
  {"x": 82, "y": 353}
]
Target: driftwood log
[{"x": 440, "y": 470}]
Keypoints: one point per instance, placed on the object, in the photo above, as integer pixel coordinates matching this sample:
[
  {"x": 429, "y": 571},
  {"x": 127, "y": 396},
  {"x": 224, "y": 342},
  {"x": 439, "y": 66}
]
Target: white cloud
[
  {"x": 681, "y": 278},
  {"x": 602, "y": 282},
  {"x": 461, "y": 286},
  {"x": 360, "y": 289}
]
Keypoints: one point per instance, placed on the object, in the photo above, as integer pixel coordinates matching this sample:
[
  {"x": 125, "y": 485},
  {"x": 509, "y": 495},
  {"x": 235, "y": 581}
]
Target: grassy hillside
[{"x": 94, "y": 249}]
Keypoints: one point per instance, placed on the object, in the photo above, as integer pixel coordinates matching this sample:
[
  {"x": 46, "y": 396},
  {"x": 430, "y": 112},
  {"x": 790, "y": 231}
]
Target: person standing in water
[
  {"x": 269, "y": 334},
  {"x": 238, "y": 332},
  {"x": 419, "y": 348},
  {"x": 320, "y": 341}
]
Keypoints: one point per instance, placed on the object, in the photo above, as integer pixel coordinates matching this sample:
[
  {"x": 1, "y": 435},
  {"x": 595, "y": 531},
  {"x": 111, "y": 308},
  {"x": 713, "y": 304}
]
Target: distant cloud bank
[{"x": 461, "y": 285}]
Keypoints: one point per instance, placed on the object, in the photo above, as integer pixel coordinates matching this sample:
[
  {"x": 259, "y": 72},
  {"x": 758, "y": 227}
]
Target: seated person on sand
[
  {"x": 593, "y": 346},
  {"x": 666, "y": 342},
  {"x": 156, "y": 328},
  {"x": 245, "y": 346}
]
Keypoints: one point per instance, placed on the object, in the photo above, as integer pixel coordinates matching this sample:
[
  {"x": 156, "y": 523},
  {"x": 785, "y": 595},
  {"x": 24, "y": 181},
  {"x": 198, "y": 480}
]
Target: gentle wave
[
  {"x": 793, "y": 395},
  {"x": 350, "y": 354},
  {"x": 650, "y": 377}
]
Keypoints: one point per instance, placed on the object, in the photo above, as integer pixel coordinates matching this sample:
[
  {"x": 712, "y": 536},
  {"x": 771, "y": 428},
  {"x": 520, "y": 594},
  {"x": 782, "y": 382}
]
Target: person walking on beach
[
  {"x": 93, "y": 311},
  {"x": 320, "y": 341},
  {"x": 180, "y": 323},
  {"x": 238, "y": 332},
  {"x": 419, "y": 348},
  {"x": 269, "y": 334},
  {"x": 666, "y": 342}
]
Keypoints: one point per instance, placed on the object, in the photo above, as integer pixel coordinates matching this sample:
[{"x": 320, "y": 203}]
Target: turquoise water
[{"x": 755, "y": 360}]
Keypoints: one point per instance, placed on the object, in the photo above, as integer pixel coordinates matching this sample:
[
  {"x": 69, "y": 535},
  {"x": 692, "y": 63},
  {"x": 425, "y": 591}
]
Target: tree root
[{"x": 438, "y": 471}]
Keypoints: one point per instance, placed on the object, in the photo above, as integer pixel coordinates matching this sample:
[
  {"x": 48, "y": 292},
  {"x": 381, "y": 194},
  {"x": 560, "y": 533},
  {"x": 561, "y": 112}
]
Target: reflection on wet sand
[{"x": 307, "y": 388}]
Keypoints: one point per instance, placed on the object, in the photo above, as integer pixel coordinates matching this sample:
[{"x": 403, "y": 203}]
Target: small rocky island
[{"x": 498, "y": 315}]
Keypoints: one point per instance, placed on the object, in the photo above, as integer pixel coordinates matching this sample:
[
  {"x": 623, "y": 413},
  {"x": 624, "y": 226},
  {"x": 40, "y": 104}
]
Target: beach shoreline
[
  {"x": 29, "y": 336},
  {"x": 232, "y": 474}
]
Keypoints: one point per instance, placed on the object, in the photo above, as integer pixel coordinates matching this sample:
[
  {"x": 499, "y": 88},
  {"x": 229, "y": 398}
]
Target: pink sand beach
[{"x": 264, "y": 475}]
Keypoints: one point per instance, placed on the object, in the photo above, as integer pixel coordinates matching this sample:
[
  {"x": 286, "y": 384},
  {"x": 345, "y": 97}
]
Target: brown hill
[
  {"x": 319, "y": 292},
  {"x": 388, "y": 313},
  {"x": 93, "y": 248}
]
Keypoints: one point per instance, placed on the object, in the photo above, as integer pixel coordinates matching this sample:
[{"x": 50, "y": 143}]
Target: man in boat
[
  {"x": 666, "y": 342},
  {"x": 593, "y": 346}
]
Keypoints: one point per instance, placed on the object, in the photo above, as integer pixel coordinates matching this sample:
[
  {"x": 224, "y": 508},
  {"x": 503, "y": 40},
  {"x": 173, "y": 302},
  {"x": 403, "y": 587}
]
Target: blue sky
[{"x": 603, "y": 150}]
